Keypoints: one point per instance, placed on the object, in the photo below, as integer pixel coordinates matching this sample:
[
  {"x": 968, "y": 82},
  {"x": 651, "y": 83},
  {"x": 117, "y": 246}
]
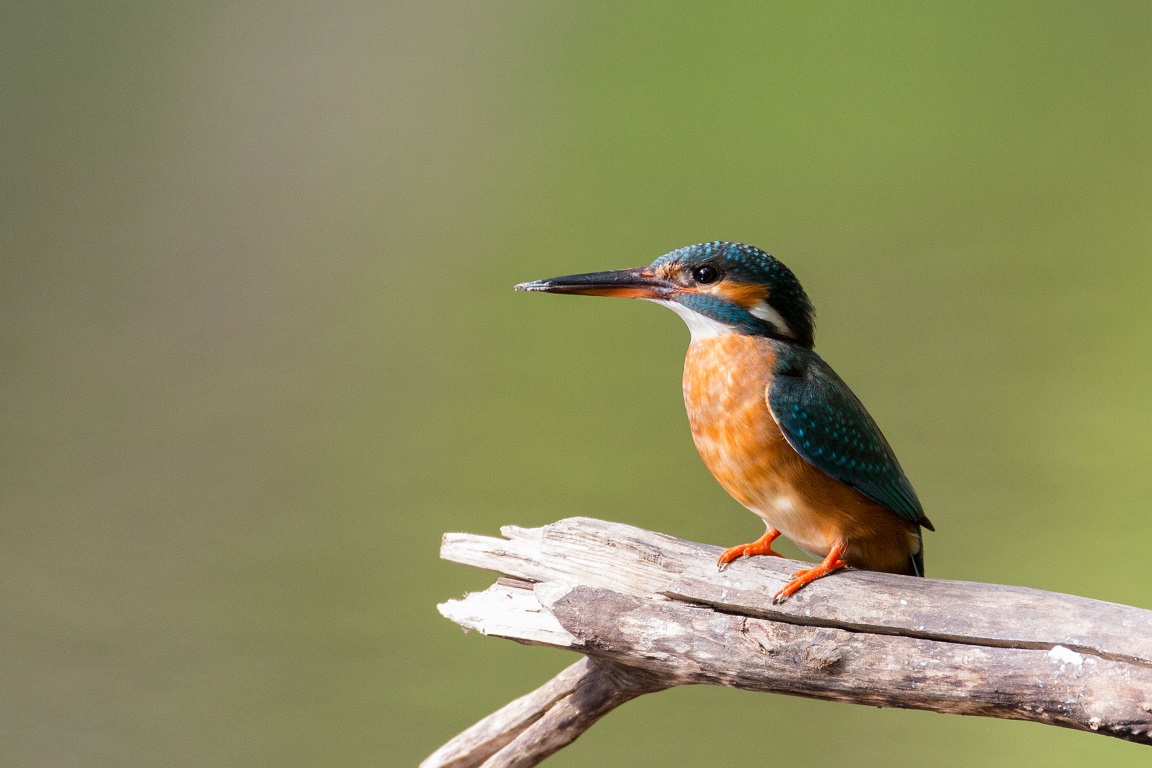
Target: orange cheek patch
[{"x": 745, "y": 295}]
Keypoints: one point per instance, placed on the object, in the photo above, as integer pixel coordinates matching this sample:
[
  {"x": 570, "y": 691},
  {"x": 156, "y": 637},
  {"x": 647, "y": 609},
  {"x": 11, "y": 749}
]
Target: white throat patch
[{"x": 701, "y": 327}]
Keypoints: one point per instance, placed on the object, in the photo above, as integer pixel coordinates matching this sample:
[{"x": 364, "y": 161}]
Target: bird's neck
[
  {"x": 706, "y": 321},
  {"x": 700, "y": 326}
]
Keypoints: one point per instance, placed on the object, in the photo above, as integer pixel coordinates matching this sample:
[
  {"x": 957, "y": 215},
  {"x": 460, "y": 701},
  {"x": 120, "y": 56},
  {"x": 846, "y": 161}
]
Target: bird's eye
[{"x": 706, "y": 274}]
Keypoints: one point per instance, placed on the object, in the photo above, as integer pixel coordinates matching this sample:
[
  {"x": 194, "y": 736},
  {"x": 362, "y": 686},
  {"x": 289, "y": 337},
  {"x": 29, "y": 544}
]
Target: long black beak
[{"x": 626, "y": 283}]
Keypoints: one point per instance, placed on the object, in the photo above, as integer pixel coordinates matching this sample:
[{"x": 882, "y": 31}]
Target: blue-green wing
[{"x": 828, "y": 426}]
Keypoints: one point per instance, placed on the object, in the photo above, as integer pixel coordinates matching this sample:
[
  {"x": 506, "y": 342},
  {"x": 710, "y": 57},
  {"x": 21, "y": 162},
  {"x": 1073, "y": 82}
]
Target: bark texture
[{"x": 650, "y": 611}]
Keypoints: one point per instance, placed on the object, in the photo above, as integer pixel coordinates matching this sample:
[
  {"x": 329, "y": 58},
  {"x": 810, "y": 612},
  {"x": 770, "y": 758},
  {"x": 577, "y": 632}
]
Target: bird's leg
[
  {"x": 832, "y": 562},
  {"x": 762, "y": 546}
]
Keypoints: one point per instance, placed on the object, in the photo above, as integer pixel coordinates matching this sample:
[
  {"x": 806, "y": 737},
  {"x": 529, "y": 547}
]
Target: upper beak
[{"x": 627, "y": 283}]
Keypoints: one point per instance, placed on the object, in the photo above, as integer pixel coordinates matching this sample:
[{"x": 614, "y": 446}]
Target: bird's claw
[
  {"x": 806, "y": 576},
  {"x": 762, "y": 546}
]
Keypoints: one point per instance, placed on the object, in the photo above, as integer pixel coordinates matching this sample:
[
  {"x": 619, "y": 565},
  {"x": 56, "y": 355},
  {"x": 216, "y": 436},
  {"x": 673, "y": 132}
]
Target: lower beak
[{"x": 625, "y": 283}]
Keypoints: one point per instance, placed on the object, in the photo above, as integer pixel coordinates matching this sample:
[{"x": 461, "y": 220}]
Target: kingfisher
[{"x": 778, "y": 429}]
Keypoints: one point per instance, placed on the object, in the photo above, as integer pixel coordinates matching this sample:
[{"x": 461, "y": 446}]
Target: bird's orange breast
[{"x": 726, "y": 379}]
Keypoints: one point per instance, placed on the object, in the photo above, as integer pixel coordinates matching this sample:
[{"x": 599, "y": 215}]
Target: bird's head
[{"x": 716, "y": 287}]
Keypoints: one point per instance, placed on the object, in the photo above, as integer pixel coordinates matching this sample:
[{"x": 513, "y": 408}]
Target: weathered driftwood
[{"x": 651, "y": 611}]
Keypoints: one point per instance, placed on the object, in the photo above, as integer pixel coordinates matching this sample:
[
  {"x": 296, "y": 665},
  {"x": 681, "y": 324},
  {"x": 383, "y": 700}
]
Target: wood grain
[{"x": 652, "y": 611}]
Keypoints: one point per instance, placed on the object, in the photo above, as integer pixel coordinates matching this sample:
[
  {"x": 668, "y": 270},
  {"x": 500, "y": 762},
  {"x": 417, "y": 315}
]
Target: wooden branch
[
  {"x": 651, "y": 611},
  {"x": 534, "y": 726}
]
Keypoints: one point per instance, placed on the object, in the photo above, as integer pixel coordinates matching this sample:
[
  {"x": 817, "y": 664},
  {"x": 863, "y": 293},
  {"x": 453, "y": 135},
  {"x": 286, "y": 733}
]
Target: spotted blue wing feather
[{"x": 827, "y": 425}]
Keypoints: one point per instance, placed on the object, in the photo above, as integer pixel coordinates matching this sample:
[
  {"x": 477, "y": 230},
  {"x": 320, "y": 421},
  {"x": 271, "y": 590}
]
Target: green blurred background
[{"x": 260, "y": 347}]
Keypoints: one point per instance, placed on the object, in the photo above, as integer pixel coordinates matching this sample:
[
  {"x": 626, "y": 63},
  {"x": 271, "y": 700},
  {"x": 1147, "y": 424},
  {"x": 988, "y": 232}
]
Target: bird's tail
[{"x": 918, "y": 555}]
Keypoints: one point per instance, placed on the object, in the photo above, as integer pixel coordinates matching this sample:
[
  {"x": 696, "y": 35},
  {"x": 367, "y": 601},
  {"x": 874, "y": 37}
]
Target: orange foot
[
  {"x": 832, "y": 562},
  {"x": 762, "y": 546}
]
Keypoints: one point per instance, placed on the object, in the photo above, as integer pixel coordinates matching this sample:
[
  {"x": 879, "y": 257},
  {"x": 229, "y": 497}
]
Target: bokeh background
[{"x": 260, "y": 348}]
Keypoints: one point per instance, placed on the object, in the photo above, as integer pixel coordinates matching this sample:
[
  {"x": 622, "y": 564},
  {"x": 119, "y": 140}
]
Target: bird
[{"x": 776, "y": 426}]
